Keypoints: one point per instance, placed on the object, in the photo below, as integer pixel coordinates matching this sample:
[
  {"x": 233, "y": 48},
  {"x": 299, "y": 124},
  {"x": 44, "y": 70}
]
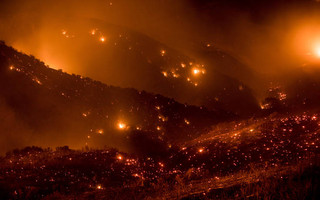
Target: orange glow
[
  {"x": 165, "y": 74},
  {"x": 122, "y": 126},
  {"x": 102, "y": 39},
  {"x": 99, "y": 187},
  {"x": 200, "y": 150},
  {"x": 119, "y": 157},
  {"x": 100, "y": 131},
  {"x": 196, "y": 71},
  {"x": 163, "y": 52},
  {"x": 317, "y": 51},
  {"x": 93, "y": 32}
]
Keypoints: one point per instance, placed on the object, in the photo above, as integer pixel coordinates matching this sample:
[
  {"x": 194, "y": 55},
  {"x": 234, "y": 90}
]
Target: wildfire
[
  {"x": 165, "y": 74},
  {"x": 100, "y": 131},
  {"x": 93, "y": 32},
  {"x": 122, "y": 126},
  {"x": 163, "y": 52},
  {"x": 119, "y": 157},
  {"x": 102, "y": 39},
  {"x": 196, "y": 71},
  {"x": 200, "y": 150},
  {"x": 99, "y": 187}
]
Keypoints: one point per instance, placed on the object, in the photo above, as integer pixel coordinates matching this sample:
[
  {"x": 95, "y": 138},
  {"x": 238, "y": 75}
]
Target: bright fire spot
[
  {"x": 196, "y": 84},
  {"x": 11, "y": 67},
  {"x": 158, "y": 128},
  {"x": 37, "y": 81},
  {"x": 183, "y": 65},
  {"x": 165, "y": 74},
  {"x": 163, "y": 52},
  {"x": 186, "y": 121},
  {"x": 64, "y": 32},
  {"x": 121, "y": 125},
  {"x": 161, "y": 164},
  {"x": 200, "y": 150},
  {"x": 158, "y": 107},
  {"x": 93, "y": 32},
  {"x": 99, "y": 187},
  {"x": 196, "y": 71},
  {"x": 100, "y": 131},
  {"x": 119, "y": 157},
  {"x": 102, "y": 39},
  {"x": 251, "y": 130}
]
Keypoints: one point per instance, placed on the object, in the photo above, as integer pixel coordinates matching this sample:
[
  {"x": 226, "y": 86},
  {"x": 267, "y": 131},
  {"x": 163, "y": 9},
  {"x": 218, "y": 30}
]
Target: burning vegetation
[{"x": 189, "y": 99}]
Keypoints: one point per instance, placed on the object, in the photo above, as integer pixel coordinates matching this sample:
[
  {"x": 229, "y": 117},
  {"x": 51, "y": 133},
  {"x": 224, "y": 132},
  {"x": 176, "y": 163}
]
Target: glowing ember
[
  {"x": 158, "y": 128},
  {"x": 119, "y": 157},
  {"x": 122, "y": 126},
  {"x": 64, "y": 32},
  {"x": 186, "y": 121},
  {"x": 163, "y": 52},
  {"x": 196, "y": 71},
  {"x": 93, "y": 32},
  {"x": 11, "y": 67},
  {"x": 100, "y": 131},
  {"x": 99, "y": 187},
  {"x": 200, "y": 150},
  {"x": 102, "y": 39},
  {"x": 165, "y": 74}
]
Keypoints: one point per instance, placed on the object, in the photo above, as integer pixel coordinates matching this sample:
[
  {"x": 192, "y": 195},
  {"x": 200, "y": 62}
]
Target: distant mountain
[
  {"x": 125, "y": 58},
  {"x": 47, "y": 107}
]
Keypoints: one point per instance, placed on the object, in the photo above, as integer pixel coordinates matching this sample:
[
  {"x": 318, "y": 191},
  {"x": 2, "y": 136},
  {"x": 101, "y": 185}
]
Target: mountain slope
[
  {"x": 50, "y": 108},
  {"x": 122, "y": 57}
]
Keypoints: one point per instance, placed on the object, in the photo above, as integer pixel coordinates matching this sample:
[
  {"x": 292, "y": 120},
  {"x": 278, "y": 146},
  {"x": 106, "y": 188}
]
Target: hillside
[
  {"x": 123, "y": 57},
  {"x": 47, "y": 107}
]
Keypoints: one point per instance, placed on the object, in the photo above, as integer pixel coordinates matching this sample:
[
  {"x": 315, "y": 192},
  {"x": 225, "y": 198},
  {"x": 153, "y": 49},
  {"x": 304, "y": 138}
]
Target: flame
[
  {"x": 100, "y": 131},
  {"x": 165, "y": 74},
  {"x": 196, "y": 71},
  {"x": 99, "y": 187},
  {"x": 102, "y": 39},
  {"x": 122, "y": 126}
]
